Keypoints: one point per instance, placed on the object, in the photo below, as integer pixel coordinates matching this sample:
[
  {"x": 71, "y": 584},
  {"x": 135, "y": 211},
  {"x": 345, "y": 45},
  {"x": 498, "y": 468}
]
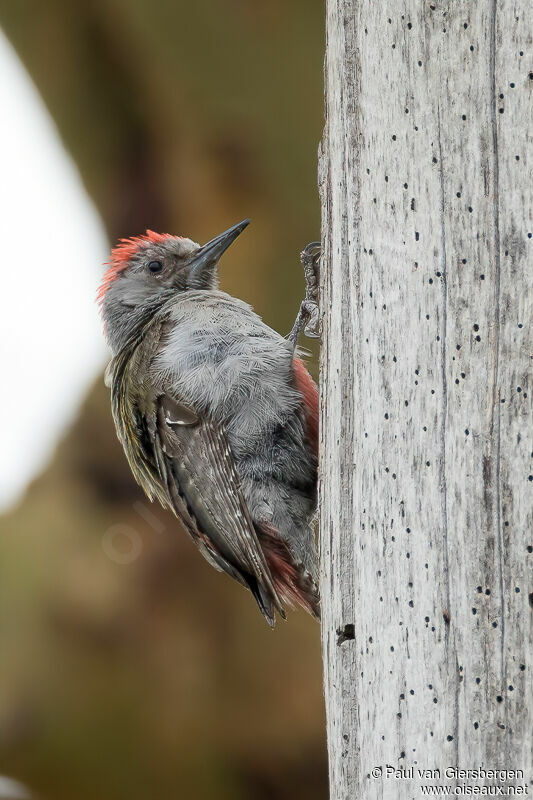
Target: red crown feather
[{"x": 123, "y": 253}]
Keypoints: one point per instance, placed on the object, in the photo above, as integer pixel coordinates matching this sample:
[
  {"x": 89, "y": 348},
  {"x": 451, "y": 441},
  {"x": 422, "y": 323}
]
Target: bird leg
[{"x": 308, "y": 315}]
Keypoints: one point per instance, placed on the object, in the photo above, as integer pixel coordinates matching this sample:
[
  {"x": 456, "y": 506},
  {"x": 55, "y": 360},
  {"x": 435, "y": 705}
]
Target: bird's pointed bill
[{"x": 208, "y": 255}]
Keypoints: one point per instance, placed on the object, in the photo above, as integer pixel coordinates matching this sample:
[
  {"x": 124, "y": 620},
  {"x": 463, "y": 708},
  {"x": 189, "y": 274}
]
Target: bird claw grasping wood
[{"x": 307, "y": 319}]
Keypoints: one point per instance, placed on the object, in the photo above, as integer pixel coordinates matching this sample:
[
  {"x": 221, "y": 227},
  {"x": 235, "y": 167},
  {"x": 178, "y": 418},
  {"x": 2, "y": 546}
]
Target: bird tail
[
  {"x": 263, "y": 598},
  {"x": 293, "y": 583}
]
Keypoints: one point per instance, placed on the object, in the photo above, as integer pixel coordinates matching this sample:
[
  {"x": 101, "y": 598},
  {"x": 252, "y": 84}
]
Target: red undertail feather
[
  {"x": 124, "y": 252},
  {"x": 291, "y": 585},
  {"x": 309, "y": 391}
]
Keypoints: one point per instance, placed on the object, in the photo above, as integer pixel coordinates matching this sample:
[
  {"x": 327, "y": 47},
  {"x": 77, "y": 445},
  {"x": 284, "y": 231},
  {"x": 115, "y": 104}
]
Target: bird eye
[{"x": 155, "y": 266}]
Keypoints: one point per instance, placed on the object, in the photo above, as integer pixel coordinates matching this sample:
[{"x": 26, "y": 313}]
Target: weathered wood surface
[{"x": 426, "y": 487}]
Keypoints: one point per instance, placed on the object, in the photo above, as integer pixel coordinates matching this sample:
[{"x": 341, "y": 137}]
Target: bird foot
[{"x": 308, "y": 315}]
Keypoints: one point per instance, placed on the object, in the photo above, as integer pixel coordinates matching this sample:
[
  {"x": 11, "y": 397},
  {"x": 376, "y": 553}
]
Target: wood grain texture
[{"x": 426, "y": 484}]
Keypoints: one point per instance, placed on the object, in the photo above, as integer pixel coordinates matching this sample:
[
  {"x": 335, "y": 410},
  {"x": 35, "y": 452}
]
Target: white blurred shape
[
  {"x": 53, "y": 246},
  {"x": 12, "y": 790}
]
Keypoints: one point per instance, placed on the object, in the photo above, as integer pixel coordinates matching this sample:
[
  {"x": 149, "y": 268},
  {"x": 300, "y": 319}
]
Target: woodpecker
[{"x": 216, "y": 412}]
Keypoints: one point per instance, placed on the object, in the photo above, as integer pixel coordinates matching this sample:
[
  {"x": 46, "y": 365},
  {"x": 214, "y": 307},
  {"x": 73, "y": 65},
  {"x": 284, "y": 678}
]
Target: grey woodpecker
[{"x": 216, "y": 411}]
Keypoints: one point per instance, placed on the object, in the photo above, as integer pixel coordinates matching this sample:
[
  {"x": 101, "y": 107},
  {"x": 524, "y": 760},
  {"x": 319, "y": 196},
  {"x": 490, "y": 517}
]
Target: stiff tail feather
[{"x": 292, "y": 584}]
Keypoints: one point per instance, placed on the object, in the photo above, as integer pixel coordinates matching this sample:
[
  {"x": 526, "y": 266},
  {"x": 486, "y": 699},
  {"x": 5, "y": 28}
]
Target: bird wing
[
  {"x": 196, "y": 466},
  {"x": 185, "y": 460}
]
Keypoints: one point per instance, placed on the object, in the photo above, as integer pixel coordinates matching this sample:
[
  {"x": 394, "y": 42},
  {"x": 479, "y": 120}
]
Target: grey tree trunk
[{"x": 426, "y": 487}]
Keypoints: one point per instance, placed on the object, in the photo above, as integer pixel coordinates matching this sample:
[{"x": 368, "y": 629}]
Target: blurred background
[{"x": 129, "y": 668}]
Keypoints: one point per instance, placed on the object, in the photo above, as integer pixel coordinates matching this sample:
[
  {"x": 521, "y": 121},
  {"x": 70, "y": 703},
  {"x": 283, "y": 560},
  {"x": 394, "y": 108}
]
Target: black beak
[{"x": 205, "y": 259}]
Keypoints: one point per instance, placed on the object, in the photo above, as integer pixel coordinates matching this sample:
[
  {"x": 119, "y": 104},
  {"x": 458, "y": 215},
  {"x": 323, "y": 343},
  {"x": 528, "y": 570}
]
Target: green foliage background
[{"x": 159, "y": 679}]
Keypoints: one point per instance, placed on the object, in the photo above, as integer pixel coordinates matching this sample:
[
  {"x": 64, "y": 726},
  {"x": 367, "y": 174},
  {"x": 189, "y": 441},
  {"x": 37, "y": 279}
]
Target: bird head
[{"x": 144, "y": 268}]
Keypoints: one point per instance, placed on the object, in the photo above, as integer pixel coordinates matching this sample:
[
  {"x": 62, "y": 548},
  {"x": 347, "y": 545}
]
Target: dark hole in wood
[{"x": 346, "y": 633}]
